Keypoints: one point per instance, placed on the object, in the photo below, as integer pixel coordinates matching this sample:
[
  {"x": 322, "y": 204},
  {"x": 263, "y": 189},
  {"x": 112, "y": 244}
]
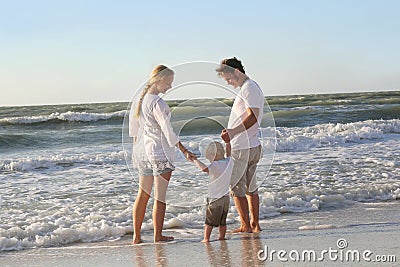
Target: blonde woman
[{"x": 154, "y": 146}]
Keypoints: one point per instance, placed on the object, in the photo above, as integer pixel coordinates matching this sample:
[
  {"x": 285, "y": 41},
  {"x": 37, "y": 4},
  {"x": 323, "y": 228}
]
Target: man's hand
[{"x": 226, "y": 135}]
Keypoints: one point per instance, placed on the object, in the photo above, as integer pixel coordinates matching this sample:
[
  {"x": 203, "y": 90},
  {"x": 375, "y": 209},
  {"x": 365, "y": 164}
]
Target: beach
[
  {"x": 329, "y": 172},
  {"x": 369, "y": 234}
]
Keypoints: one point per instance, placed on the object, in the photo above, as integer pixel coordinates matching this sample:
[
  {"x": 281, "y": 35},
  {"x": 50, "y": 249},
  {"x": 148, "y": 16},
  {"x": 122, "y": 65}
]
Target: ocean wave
[
  {"x": 200, "y": 125},
  {"x": 287, "y": 139},
  {"x": 324, "y": 135},
  {"x": 55, "y": 162},
  {"x": 293, "y": 201},
  {"x": 71, "y": 224},
  {"x": 68, "y": 116},
  {"x": 62, "y": 230},
  {"x": 389, "y": 97}
]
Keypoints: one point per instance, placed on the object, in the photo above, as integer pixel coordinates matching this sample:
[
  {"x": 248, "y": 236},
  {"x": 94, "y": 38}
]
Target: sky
[{"x": 65, "y": 52}]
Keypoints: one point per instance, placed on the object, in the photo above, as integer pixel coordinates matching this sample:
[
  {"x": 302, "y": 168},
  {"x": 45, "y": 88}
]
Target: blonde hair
[
  {"x": 158, "y": 73},
  {"x": 214, "y": 149}
]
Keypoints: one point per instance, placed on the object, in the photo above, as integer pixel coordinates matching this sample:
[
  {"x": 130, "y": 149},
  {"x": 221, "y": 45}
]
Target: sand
[{"x": 370, "y": 231}]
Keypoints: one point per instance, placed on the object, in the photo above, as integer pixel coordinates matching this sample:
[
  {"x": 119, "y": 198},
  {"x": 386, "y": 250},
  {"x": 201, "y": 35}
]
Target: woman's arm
[
  {"x": 161, "y": 114},
  {"x": 188, "y": 154},
  {"x": 133, "y": 126}
]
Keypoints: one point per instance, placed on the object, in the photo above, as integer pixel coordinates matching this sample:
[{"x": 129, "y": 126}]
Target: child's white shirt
[{"x": 220, "y": 172}]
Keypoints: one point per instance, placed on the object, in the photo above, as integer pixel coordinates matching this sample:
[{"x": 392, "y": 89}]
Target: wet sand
[{"x": 362, "y": 235}]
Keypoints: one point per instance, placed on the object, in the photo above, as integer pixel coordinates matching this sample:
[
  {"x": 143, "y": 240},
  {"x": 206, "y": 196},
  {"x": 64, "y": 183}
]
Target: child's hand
[{"x": 190, "y": 156}]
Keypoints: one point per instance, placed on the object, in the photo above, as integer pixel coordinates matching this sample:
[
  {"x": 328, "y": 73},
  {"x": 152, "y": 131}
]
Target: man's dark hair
[{"x": 228, "y": 65}]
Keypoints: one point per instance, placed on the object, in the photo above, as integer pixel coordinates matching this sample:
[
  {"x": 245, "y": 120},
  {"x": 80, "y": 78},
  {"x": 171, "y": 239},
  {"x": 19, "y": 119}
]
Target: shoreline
[
  {"x": 363, "y": 226},
  {"x": 240, "y": 249}
]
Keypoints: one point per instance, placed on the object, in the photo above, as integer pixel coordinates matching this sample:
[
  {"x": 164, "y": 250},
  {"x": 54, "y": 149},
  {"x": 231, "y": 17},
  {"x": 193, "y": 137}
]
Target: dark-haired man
[{"x": 242, "y": 132}]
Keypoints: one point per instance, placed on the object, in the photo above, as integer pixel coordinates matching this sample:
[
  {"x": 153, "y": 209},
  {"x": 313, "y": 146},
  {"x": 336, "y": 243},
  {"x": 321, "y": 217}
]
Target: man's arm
[
  {"x": 228, "y": 149},
  {"x": 249, "y": 120}
]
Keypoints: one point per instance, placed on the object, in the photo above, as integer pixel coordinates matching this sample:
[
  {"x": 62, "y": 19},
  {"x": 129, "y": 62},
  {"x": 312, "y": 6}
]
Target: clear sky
[{"x": 80, "y": 51}]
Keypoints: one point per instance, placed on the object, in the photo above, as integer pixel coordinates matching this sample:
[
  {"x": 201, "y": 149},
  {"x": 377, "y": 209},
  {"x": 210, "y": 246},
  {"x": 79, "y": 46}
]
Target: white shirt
[
  {"x": 249, "y": 96},
  {"x": 220, "y": 172},
  {"x": 155, "y": 138}
]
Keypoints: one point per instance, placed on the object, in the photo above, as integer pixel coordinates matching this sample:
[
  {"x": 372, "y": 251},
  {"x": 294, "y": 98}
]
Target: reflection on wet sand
[
  {"x": 218, "y": 253},
  {"x": 141, "y": 253},
  {"x": 140, "y": 257},
  {"x": 161, "y": 259},
  {"x": 251, "y": 244}
]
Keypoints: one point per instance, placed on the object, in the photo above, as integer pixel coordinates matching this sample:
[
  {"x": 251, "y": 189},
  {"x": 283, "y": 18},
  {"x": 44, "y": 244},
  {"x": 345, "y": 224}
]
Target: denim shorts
[{"x": 147, "y": 168}]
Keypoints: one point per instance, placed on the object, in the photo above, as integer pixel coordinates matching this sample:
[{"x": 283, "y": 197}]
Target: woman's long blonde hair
[{"x": 159, "y": 72}]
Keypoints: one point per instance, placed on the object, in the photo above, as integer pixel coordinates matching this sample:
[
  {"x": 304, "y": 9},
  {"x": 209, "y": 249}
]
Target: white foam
[
  {"x": 46, "y": 233},
  {"x": 66, "y": 116},
  {"x": 306, "y": 201},
  {"x": 317, "y": 227},
  {"x": 59, "y": 205},
  {"x": 321, "y": 135},
  {"x": 58, "y": 161}
]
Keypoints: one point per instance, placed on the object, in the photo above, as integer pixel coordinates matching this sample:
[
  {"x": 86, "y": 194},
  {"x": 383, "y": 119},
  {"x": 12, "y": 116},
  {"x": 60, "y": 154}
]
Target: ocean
[{"x": 66, "y": 175}]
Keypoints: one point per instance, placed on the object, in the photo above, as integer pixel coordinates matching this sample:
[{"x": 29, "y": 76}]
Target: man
[{"x": 242, "y": 132}]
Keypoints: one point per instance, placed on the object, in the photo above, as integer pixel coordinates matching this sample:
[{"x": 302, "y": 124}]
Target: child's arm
[
  {"x": 201, "y": 165},
  {"x": 228, "y": 149}
]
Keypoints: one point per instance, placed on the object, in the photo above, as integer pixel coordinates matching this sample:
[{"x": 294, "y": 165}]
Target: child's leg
[
  {"x": 222, "y": 231},
  {"x": 207, "y": 233}
]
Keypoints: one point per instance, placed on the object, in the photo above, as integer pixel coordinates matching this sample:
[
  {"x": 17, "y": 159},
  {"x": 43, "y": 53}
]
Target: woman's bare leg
[
  {"x": 161, "y": 185},
  {"x": 139, "y": 208}
]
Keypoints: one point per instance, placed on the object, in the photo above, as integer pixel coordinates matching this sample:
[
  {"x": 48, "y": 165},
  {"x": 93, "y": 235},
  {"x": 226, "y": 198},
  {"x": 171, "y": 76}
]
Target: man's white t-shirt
[
  {"x": 220, "y": 172},
  {"x": 249, "y": 96}
]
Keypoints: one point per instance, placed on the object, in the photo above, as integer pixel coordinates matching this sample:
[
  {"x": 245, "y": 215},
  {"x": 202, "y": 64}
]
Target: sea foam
[
  {"x": 66, "y": 116},
  {"x": 58, "y": 161},
  {"x": 322, "y": 135}
]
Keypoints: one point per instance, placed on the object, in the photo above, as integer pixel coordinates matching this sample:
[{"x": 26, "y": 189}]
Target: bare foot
[
  {"x": 164, "y": 238},
  {"x": 221, "y": 238},
  {"x": 137, "y": 241},
  {"x": 256, "y": 227},
  {"x": 241, "y": 230},
  {"x": 205, "y": 240}
]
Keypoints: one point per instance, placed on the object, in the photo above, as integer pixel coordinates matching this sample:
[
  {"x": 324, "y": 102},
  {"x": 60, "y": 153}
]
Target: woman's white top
[{"x": 155, "y": 138}]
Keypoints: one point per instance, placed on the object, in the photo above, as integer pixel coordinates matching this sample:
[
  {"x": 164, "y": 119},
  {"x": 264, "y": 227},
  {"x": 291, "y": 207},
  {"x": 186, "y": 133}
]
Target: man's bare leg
[
  {"x": 243, "y": 209},
  {"x": 254, "y": 207}
]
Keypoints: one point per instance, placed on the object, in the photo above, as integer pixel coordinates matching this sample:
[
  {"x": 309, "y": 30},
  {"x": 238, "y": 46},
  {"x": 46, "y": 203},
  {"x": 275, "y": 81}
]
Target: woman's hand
[{"x": 189, "y": 155}]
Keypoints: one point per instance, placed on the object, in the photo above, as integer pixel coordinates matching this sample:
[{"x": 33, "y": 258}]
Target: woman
[{"x": 154, "y": 142}]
